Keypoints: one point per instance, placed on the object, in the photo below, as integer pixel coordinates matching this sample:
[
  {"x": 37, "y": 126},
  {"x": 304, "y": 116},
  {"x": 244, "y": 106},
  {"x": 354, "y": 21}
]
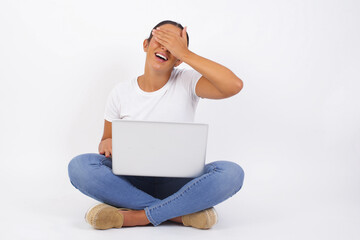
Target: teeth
[{"x": 159, "y": 55}]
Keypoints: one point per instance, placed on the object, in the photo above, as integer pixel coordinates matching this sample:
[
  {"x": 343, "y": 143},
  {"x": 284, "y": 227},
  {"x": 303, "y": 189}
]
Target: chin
[{"x": 161, "y": 68}]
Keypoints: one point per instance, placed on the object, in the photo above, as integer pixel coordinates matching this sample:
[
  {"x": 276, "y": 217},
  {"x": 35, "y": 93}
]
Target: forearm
[
  {"x": 221, "y": 77},
  {"x": 107, "y": 130}
]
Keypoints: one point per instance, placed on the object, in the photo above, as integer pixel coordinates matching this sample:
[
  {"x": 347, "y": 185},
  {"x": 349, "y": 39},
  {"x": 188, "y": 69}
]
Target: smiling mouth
[{"x": 161, "y": 57}]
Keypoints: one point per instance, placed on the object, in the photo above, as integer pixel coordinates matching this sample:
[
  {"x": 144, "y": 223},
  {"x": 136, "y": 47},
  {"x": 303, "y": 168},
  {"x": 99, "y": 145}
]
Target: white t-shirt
[{"x": 176, "y": 101}]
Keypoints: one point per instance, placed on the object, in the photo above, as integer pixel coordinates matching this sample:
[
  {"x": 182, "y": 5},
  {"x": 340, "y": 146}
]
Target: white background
[{"x": 294, "y": 127}]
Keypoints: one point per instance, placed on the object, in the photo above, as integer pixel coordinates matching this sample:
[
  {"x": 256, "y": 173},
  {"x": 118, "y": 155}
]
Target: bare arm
[
  {"x": 217, "y": 81},
  {"x": 107, "y": 130},
  {"x": 105, "y": 146}
]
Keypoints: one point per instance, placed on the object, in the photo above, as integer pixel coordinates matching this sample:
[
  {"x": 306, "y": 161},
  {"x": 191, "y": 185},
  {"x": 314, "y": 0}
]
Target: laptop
[{"x": 161, "y": 149}]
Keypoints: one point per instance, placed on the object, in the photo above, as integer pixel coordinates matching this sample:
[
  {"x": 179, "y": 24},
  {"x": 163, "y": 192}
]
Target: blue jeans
[{"x": 162, "y": 198}]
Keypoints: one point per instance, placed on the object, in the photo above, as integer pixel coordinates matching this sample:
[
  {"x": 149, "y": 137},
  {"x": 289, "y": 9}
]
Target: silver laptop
[{"x": 162, "y": 149}]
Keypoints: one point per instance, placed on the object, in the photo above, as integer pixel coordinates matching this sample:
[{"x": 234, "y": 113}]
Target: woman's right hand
[{"x": 105, "y": 147}]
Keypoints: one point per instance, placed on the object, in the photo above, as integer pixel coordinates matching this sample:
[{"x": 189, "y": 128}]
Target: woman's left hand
[{"x": 177, "y": 45}]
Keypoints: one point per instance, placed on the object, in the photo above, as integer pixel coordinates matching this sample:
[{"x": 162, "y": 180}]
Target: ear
[
  {"x": 145, "y": 45},
  {"x": 178, "y": 62}
]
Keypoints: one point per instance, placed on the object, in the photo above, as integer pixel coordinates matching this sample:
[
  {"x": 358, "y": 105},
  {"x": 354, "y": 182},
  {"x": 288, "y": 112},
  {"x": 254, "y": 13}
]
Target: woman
[{"x": 162, "y": 93}]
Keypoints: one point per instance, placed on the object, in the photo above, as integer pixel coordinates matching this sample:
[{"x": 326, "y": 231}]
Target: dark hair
[{"x": 172, "y": 23}]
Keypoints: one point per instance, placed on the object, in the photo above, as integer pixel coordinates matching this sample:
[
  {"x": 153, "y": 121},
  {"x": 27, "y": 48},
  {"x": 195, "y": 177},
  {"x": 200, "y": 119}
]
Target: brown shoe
[
  {"x": 204, "y": 219},
  {"x": 103, "y": 216}
]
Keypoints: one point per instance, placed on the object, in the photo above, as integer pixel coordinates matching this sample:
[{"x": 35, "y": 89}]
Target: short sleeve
[
  {"x": 190, "y": 78},
  {"x": 112, "y": 108}
]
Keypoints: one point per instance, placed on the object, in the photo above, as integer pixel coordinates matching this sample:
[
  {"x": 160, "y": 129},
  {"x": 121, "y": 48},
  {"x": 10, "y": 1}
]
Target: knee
[
  {"x": 76, "y": 164},
  {"x": 232, "y": 175},
  {"x": 79, "y": 166}
]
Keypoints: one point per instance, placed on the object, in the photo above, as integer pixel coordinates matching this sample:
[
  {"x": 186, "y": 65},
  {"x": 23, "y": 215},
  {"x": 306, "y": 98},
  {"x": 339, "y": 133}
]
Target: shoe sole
[
  {"x": 91, "y": 213},
  {"x": 97, "y": 204},
  {"x": 212, "y": 214}
]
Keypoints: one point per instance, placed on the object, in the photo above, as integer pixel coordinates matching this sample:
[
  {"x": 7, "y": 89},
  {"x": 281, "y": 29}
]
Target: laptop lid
[{"x": 162, "y": 149}]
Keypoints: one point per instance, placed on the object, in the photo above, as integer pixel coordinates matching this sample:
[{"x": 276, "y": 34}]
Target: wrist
[{"x": 186, "y": 56}]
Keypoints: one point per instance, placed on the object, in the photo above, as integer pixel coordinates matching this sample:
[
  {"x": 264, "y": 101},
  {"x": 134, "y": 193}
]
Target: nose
[{"x": 164, "y": 48}]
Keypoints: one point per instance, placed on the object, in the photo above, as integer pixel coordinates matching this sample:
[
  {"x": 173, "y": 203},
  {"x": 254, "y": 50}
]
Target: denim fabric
[{"x": 162, "y": 198}]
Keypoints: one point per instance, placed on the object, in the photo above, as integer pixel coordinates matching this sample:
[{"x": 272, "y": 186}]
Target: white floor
[{"x": 318, "y": 207}]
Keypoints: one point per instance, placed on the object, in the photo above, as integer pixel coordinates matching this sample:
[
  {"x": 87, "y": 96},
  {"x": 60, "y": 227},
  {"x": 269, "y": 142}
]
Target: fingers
[
  {"x": 164, "y": 34},
  {"x": 164, "y": 31},
  {"x": 101, "y": 149},
  {"x": 161, "y": 41},
  {"x": 166, "y": 37},
  {"x": 183, "y": 35},
  {"x": 105, "y": 147},
  {"x": 161, "y": 36},
  {"x": 106, "y": 152}
]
